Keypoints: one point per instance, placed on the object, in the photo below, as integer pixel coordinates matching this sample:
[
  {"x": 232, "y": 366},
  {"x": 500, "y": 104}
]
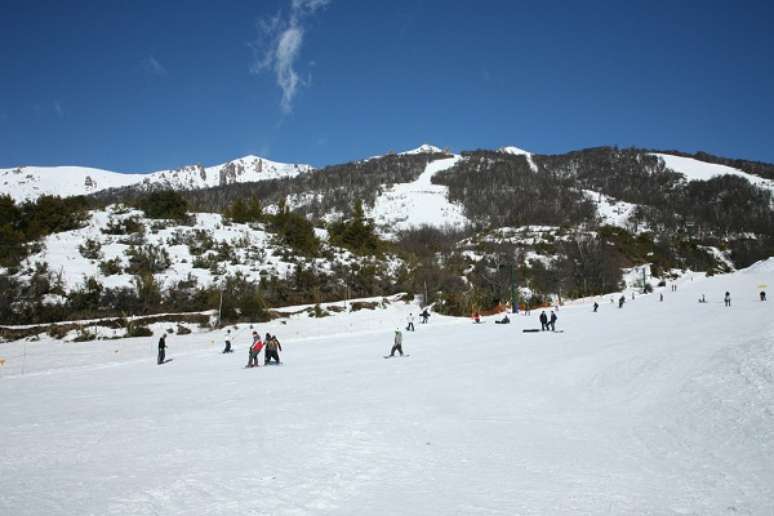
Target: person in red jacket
[{"x": 255, "y": 349}]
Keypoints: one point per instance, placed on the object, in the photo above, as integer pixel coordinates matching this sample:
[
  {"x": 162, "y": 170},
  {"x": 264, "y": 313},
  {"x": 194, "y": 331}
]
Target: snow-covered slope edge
[{"x": 696, "y": 170}]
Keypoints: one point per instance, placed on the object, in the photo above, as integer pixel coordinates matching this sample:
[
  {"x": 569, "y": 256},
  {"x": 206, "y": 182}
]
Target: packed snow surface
[
  {"x": 407, "y": 205},
  {"x": 696, "y": 170},
  {"x": 656, "y": 408}
]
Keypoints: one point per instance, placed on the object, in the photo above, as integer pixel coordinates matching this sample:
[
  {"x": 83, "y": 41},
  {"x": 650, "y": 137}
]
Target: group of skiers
[
  {"x": 271, "y": 346},
  {"x": 546, "y": 322}
]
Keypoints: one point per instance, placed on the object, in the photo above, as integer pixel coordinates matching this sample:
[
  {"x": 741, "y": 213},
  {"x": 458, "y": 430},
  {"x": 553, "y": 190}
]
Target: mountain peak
[{"x": 423, "y": 149}]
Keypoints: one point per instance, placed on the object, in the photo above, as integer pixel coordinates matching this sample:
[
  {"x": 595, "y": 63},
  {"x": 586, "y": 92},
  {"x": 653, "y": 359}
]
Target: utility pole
[
  {"x": 643, "y": 279},
  {"x": 220, "y": 306},
  {"x": 425, "y": 300},
  {"x": 514, "y": 306}
]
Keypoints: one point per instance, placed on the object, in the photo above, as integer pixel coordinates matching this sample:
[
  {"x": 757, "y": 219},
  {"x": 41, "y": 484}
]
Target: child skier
[{"x": 410, "y": 325}]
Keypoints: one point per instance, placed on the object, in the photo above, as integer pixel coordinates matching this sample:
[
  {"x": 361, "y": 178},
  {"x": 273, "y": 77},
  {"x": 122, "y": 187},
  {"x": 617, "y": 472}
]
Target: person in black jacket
[
  {"x": 162, "y": 348},
  {"x": 552, "y": 323},
  {"x": 273, "y": 347},
  {"x": 543, "y": 321}
]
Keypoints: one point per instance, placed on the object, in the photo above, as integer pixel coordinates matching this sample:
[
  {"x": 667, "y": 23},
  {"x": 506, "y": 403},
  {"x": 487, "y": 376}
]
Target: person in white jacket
[
  {"x": 227, "y": 338},
  {"x": 410, "y": 319}
]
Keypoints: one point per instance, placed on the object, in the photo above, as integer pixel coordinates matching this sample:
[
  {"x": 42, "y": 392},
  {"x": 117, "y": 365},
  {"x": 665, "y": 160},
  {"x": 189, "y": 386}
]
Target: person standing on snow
[
  {"x": 727, "y": 299},
  {"x": 410, "y": 325},
  {"x": 228, "y": 349},
  {"x": 273, "y": 347},
  {"x": 425, "y": 315},
  {"x": 162, "y": 349},
  {"x": 763, "y": 295},
  {"x": 255, "y": 349},
  {"x": 596, "y": 306},
  {"x": 543, "y": 321},
  {"x": 477, "y": 318},
  {"x": 397, "y": 344},
  {"x": 621, "y": 301},
  {"x": 552, "y": 322}
]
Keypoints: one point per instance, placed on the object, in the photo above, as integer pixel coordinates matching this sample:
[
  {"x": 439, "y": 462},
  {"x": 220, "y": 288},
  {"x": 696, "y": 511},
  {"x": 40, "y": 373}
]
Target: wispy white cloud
[
  {"x": 279, "y": 45},
  {"x": 58, "y": 109},
  {"x": 152, "y": 66}
]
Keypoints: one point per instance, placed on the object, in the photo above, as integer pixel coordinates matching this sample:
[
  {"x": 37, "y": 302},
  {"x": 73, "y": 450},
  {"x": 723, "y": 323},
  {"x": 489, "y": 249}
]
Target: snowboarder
[
  {"x": 621, "y": 301},
  {"x": 763, "y": 295},
  {"x": 273, "y": 347},
  {"x": 162, "y": 348},
  {"x": 425, "y": 315},
  {"x": 476, "y": 318},
  {"x": 596, "y": 306},
  {"x": 228, "y": 349},
  {"x": 543, "y": 321},
  {"x": 255, "y": 349},
  {"x": 552, "y": 322},
  {"x": 727, "y": 299},
  {"x": 410, "y": 320},
  {"x": 504, "y": 320},
  {"x": 660, "y": 296},
  {"x": 703, "y": 299},
  {"x": 397, "y": 344}
]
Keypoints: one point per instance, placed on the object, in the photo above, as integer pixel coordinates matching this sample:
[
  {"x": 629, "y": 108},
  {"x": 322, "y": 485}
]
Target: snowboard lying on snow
[{"x": 397, "y": 356}]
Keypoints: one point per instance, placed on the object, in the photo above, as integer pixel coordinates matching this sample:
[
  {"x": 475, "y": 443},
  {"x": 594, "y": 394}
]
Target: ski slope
[
  {"x": 696, "y": 170},
  {"x": 418, "y": 203},
  {"x": 658, "y": 408}
]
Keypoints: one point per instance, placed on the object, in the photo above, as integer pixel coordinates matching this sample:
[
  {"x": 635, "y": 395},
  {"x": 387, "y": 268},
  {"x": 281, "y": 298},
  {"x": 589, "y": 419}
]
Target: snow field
[{"x": 657, "y": 408}]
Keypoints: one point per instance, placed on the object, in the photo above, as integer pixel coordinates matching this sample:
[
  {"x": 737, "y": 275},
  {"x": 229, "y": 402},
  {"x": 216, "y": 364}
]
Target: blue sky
[{"x": 141, "y": 86}]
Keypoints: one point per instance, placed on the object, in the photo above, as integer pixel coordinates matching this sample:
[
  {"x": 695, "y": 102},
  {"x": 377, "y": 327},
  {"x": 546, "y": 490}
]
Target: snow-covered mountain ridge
[{"x": 30, "y": 182}]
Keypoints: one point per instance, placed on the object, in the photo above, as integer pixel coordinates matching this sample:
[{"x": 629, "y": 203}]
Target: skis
[{"x": 397, "y": 356}]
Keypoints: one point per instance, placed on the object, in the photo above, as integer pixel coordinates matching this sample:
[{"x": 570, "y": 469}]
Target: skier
[
  {"x": 702, "y": 299},
  {"x": 410, "y": 325},
  {"x": 504, "y": 320},
  {"x": 543, "y": 321},
  {"x": 425, "y": 315},
  {"x": 228, "y": 349},
  {"x": 162, "y": 348},
  {"x": 727, "y": 299},
  {"x": 596, "y": 306},
  {"x": 273, "y": 347},
  {"x": 660, "y": 296},
  {"x": 621, "y": 301},
  {"x": 552, "y": 322},
  {"x": 398, "y": 344},
  {"x": 476, "y": 318},
  {"x": 255, "y": 349},
  {"x": 763, "y": 295}
]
